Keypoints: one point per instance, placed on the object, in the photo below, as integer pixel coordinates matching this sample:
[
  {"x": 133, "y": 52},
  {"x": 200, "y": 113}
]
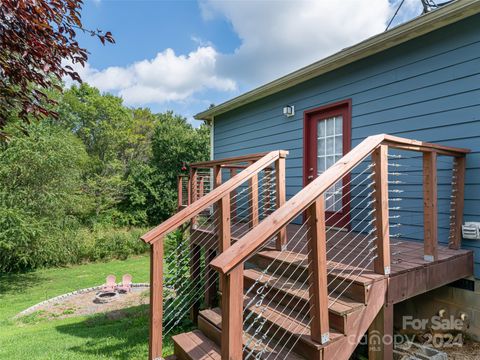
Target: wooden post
[
  {"x": 179, "y": 192},
  {"x": 156, "y": 300},
  {"x": 195, "y": 274},
  {"x": 232, "y": 314},
  {"x": 280, "y": 189},
  {"x": 211, "y": 283},
  {"x": 430, "y": 211},
  {"x": 193, "y": 185},
  {"x": 189, "y": 190},
  {"x": 217, "y": 175},
  {"x": 253, "y": 200},
  {"x": 193, "y": 192},
  {"x": 233, "y": 199},
  {"x": 382, "y": 226},
  {"x": 318, "y": 272},
  {"x": 456, "y": 211},
  {"x": 224, "y": 225},
  {"x": 380, "y": 335},
  {"x": 201, "y": 187}
]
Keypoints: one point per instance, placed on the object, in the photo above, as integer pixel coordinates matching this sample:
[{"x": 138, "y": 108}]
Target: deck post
[
  {"x": 318, "y": 271},
  {"x": 430, "y": 211},
  {"x": 232, "y": 314},
  {"x": 253, "y": 200},
  {"x": 380, "y": 335},
  {"x": 224, "y": 227},
  {"x": 382, "y": 226},
  {"x": 189, "y": 190},
  {"x": 156, "y": 300},
  {"x": 456, "y": 210},
  {"x": 211, "y": 283},
  {"x": 179, "y": 192},
  {"x": 201, "y": 186},
  {"x": 281, "y": 197},
  {"x": 193, "y": 191}
]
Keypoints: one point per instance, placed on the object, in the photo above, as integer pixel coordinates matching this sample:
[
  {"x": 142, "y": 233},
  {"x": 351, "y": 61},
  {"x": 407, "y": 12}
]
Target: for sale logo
[{"x": 435, "y": 323}]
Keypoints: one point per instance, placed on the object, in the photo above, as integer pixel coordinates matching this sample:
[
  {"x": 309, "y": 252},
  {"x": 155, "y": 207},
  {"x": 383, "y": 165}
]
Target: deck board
[{"x": 347, "y": 255}]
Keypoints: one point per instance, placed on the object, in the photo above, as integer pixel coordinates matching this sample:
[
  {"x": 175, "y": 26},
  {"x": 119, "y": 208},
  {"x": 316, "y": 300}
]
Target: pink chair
[
  {"x": 126, "y": 285},
  {"x": 110, "y": 283}
]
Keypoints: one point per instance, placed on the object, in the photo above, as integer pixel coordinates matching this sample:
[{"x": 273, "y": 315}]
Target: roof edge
[{"x": 412, "y": 29}]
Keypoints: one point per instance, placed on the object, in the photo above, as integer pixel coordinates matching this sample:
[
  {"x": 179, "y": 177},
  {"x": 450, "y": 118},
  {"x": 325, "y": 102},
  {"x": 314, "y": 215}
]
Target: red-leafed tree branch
[{"x": 36, "y": 36}]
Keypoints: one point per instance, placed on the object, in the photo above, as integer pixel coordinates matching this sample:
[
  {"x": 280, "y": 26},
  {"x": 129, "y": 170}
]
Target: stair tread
[
  {"x": 214, "y": 316},
  {"x": 197, "y": 346},
  {"x": 336, "y": 268},
  {"x": 340, "y": 304},
  {"x": 290, "y": 321}
]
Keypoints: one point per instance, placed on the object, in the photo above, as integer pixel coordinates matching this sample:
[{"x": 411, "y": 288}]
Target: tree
[
  {"x": 175, "y": 142},
  {"x": 105, "y": 126},
  {"x": 40, "y": 196},
  {"x": 35, "y": 38}
]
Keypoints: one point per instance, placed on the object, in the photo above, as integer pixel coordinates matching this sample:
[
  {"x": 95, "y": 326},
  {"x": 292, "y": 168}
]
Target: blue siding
[{"x": 426, "y": 89}]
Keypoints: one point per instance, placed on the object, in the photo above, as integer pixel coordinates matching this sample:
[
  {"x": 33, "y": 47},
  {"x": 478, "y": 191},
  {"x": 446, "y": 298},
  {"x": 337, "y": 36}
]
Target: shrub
[{"x": 105, "y": 243}]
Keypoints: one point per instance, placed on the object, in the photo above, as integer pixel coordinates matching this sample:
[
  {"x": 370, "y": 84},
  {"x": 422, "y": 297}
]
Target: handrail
[
  {"x": 212, "y": 197},
  {"x": 233, "y": 160},
  {"x": 248, "y": 244}
]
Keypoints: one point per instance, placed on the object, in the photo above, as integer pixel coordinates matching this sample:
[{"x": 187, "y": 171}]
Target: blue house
[
  {"x": 419, "y": 84},
  {"x": 420, "y": 81}
]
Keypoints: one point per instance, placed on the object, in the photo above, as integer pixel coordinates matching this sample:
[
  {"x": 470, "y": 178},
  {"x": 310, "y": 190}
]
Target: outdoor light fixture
[{"x": 289, "y": 110}]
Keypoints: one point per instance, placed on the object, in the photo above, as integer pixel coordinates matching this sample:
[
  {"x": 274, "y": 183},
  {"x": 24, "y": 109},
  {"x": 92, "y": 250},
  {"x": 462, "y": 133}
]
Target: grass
[{"x": 87, "y": 337}]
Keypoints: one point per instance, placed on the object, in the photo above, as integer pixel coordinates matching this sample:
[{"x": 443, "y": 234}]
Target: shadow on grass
[
  {"x": 18, "y": 283},
  {"x": 118, "y": 334}
]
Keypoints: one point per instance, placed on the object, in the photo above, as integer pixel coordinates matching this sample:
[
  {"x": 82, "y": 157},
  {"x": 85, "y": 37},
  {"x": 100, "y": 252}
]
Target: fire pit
[{"x": 103, "y": 297}]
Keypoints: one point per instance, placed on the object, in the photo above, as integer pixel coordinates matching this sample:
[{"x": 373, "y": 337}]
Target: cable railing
[
  {"x": 351, "y": 216},
  {"x": 219, "y": 202}
]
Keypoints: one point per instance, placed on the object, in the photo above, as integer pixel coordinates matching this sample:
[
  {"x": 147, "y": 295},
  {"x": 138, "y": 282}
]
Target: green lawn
[{"x": 92, "y": 337}]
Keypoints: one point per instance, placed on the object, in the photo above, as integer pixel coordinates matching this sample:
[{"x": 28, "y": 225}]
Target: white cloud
[
  {"x": 167, "y": 77},
  {"x": 280, "y": 36},
  {"x": 276, "y": 36}
]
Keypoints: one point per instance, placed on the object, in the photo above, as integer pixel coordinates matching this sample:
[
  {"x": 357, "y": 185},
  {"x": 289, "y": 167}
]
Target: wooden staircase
[
  {"x": 347, "y": 311},
  {"x": 277, "y": 300}
]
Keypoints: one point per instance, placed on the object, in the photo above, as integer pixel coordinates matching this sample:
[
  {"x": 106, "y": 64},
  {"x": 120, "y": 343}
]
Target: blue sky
[{"x": 185, "y": 55}]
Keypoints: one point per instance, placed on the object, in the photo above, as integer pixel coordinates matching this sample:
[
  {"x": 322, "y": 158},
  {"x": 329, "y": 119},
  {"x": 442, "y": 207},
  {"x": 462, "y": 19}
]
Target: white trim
[{"x": 412, "y": 29}]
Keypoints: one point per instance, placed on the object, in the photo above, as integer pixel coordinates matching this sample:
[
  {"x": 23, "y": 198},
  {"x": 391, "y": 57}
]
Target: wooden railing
[
  {"x": 248, "y": 168},
  {"x": 230, "y": 264}
]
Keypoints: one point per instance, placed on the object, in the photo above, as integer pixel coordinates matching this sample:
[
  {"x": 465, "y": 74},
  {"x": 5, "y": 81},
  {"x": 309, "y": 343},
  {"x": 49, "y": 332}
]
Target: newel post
[
  {"x": 156, "y": 300},
  {"x": 382, "y": 226},
  {"x": 318, "y": 271},
  {"x": 232, "y": 314},
  {"x": 430, "y": 213},
  {"x": 232, "y": 291},
  {"x": 458, "y": 194},
  {"x": 281, "y": 196}
]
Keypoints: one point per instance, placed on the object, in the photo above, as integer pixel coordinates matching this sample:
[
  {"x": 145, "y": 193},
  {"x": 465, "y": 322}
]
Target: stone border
[{"x": 67, "y": 295}]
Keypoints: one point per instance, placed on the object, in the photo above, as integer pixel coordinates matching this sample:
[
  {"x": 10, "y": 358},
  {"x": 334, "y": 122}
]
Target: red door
[{"x": 327, "y": 137}]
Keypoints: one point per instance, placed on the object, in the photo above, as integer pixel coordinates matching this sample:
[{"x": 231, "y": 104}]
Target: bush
[{"x": 105, "y": 243}]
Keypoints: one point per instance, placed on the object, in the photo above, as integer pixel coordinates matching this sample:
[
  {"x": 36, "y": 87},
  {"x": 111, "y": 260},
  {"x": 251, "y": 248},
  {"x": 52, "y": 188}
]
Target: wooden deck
[
  {"x": 410, "y": 274},
  {"x": 347, "y": 252}
]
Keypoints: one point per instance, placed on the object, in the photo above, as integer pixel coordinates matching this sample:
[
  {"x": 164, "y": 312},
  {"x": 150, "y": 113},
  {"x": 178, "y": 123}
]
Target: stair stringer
[{"x": 358, "y": 324}]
